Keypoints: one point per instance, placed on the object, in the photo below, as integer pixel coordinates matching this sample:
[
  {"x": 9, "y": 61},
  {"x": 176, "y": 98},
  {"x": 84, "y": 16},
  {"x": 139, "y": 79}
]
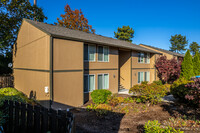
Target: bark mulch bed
[{"x": 134, "y": 120}]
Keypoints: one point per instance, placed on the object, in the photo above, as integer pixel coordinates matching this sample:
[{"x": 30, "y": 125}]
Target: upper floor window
[
  {"x": 103, "y": 53},
  {"x": 144, "y": 58},
  {"x": 89, "y": 52}
]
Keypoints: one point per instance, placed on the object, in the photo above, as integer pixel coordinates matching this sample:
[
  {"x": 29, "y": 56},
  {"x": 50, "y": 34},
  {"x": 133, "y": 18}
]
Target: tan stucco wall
[
  {"x": 28, "y": 81},
  {"x": 31, "y": 52},
  {"x": 125, "y": 69},
  {"x": 68, "y": 82},
  {"x": 142, "y": 67}
]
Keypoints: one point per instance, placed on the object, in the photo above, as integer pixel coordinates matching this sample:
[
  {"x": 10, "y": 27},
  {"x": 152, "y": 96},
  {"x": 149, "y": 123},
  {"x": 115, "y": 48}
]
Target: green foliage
[
  {"x": 187, "y": 66},
  {"x": 159, "y": 82},
  {"x": 178, "y": 43},
  {"x": 178, "y": 89},
  {"x": 125, "y": 33},
  {"x": 100, "y": 109},
  {"x": 100, "y": 96},
  {"x": 10, "y": 94},
  {"x": 149, "y": 92},
  {"x": 5, "y": 59},
  {"x": 196, "y": 64},
  {"x": 11, "y": 15},
  {"x": 194, "y": 47},
  {"x": 113, "y": 100},
  {"x": 155, "y": 127}
]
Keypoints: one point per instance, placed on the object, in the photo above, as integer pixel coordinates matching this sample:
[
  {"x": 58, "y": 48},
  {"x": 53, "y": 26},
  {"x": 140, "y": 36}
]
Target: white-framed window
[
  {"x": 103, "y": 81},
  {"x": 143, "y": 76},
  {"x": 141, "y": 57},
  {"x": 89, "y": 82},
  {"x": 89, "y": 52},
  {"x": 103, "y": 53},
  {"x": 144, "y": 58}
]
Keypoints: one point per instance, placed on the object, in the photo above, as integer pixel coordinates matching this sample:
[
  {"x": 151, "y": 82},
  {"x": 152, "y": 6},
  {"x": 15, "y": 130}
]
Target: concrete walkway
[{"x": 124, "y": 91}]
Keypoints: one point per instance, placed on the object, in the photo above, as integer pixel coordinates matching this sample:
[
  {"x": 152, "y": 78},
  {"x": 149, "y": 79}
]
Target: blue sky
[{"x": 154, "y": 21}]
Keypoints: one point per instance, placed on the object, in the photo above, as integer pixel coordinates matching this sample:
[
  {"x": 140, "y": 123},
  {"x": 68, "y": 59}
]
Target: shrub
[
  {"x": 100, "y": 109},
  {"x": 100, "y": 96},
  {"x": 159, "y": 82},
  {"x": 149, "y": 92},
  {"x": 194, "y": 92},
  {"x": 10, "y": 94},
  {"x": 179, "y": 90},
  {"x": 155, "y": 127},
  {"x": 103, "y": 109},
  {"x": 113, "y": 100}
]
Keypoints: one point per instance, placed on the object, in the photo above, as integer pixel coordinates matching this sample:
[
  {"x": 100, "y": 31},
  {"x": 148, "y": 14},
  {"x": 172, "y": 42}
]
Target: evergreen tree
[
  {"x": 196, "y": 64},
  {"x": 125, "y": 33},
  {"x": 178, "y": 43},
  {"x": 194, "y": 47},
  {"x": 187, "y": 66}
]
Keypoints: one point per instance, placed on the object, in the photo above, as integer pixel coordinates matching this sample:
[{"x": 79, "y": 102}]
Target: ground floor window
[
  {"x": 89, "y": 83},
  {"x": 103, "y": 81},
  {"x": 143, "y": 76}
]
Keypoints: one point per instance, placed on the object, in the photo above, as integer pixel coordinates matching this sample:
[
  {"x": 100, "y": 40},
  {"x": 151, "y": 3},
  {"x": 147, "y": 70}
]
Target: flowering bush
[
  {"x": 149, "y": 92},
  {"x": 194, "y": 92}
]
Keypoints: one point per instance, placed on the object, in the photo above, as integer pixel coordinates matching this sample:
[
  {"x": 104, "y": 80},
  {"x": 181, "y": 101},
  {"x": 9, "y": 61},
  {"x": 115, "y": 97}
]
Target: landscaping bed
[{"x": 175, "y": 115}]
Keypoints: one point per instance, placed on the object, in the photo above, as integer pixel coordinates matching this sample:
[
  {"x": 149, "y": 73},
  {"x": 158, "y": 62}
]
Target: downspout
[
  {"x": 51, "y": 71},
  {"x": 131, "y": 68},
  {"x": 155, "y": 67}
]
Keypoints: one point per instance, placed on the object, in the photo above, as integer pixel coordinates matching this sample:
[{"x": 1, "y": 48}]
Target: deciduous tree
[
  {"x": 11, "y": 14},
  {"x": 168, "y": 70},
  {"x": 187, "y": 66},
  {"x": 125, "y": 33},
  {"x": 194, "y": 47},
  {"x": 178, "y": 43},
  {"x": 74, "y": 20}
]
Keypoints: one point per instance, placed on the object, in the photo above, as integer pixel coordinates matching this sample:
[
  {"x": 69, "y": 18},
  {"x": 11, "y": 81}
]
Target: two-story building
[{"x": 61, "y": 65}]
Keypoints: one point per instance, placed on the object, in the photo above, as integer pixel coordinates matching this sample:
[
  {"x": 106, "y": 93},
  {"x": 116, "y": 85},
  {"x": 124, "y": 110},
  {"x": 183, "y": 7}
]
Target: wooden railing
[{"x": 25, "y": 118}]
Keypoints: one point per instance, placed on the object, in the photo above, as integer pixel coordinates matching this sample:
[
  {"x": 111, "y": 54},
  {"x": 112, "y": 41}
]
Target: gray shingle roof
[
  {"x": 62, "y": 32},
  {"x": 165, "y": 51}
]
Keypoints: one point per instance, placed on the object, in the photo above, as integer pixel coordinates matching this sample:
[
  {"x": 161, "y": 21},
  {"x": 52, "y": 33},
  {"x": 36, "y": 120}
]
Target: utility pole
[{"x": 35, "y": 2}]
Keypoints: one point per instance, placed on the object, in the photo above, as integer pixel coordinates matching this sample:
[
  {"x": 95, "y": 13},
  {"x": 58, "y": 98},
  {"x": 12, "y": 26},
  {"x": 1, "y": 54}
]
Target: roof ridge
[{"x": 161, "y": 49}]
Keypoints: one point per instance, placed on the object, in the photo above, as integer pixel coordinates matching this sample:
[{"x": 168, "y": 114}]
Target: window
[
  {"x": 141, "y": 57},
  {"x": 144, "y": 58},
  {"x": 140, "y": 77},
  {"x": 89, "y": 83},
  {"x": 147, "y": 76},
  {"x": 103, "y": 53},
  {"x": 148, "y": 58},
  {"x": 103, "y": 81},
  {"x": 89, "y": 52},
  {"x": 143, "y": 76}
]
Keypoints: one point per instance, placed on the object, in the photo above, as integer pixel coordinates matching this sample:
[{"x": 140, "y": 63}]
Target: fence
[
  {"x": 6, "y": 81},
  {"x": 25, "y": 118}
]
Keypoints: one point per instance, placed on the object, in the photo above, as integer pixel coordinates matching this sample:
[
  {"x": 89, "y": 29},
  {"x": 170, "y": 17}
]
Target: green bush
[
  {"x": 178, "y": 89},
  {"x": 100, "y": 96},
  {"x": 10, "y": 94},
  {"x": 149, "y": 92},
  {"x": 154, "y": 127},
  {"x": 159, "y": 82}
]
